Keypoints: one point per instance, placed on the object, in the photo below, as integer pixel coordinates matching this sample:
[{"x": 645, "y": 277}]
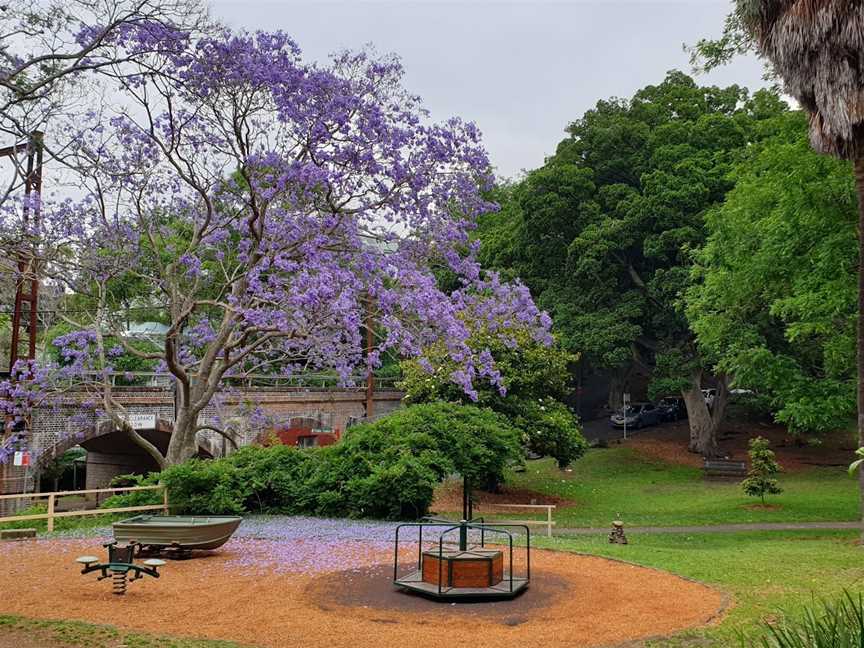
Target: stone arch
[
  {"x": 88, "y": 433},
  {"x": 110, "y": 452}
]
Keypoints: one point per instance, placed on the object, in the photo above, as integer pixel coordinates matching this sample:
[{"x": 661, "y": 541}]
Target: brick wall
[{"x": 57, "y": 429}]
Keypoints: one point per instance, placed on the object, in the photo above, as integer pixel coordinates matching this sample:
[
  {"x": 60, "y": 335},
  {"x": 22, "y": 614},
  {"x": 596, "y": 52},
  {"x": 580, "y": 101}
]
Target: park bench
[
  {"x": 725, "y": 469},
  {"x": 548, "y": 522}
]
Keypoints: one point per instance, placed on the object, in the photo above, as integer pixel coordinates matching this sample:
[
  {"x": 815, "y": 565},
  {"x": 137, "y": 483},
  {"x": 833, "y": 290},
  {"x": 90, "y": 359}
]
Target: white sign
[
  {"x": 141, "y": 421},
  {"x": 21, "y": 458}
]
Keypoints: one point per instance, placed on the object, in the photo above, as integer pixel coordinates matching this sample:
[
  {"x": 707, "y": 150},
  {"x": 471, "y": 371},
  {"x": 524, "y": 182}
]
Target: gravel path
[
  {"x": 294, "y": 528},
  {"x": 719, "y": 528}
]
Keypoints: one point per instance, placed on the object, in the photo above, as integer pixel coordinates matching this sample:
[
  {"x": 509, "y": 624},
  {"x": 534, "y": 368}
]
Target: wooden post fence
[{"x": 51, "y": 514}]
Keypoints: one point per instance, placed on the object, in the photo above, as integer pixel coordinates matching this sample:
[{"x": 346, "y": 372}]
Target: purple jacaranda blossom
[{"x": 308, "y": 545}]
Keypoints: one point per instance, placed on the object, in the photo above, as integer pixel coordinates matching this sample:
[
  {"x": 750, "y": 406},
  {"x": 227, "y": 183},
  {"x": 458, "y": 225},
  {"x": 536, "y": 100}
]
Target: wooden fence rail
[
  {"x": 548, "y": 522},
  {"x": 53, "y": 496}
]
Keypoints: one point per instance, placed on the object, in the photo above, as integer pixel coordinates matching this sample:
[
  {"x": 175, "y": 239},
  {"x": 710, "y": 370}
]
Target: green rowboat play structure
[{"x": 182, "y": 533}]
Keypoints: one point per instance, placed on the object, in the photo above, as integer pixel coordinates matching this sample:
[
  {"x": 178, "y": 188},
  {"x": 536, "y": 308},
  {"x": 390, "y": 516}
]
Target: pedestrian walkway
[{"x": 721, "y": 528}]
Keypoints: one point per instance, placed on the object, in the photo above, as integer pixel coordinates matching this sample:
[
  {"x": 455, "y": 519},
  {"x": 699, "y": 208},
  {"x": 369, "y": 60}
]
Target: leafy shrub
[
  {"x": 272, "y": 481},
  {"x": 826, "y": 625},
  {"x": 389, "y": 468},
  {"x": 347, "y": 483},
  {"x": 551, "y": 429},
  {"x": 133, "y": 498},
  {"x": 385, "y": 469},
  {"x": 199, "y": 486}
]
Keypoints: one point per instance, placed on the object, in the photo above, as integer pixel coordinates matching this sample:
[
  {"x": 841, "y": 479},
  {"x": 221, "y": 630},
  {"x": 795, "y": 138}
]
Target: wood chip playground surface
[{"x": 334, "y": 590}]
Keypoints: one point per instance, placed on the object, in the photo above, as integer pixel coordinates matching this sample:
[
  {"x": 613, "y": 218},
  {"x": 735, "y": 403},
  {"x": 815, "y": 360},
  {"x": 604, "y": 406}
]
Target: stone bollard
[{"x": 617, "y": 535}]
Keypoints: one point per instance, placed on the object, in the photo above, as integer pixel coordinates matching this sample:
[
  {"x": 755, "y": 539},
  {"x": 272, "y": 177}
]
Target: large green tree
[
  {"x": 604, "y": 232},
  {"x": 774, "y": 292},
  {"x": 815, "y": 48}
]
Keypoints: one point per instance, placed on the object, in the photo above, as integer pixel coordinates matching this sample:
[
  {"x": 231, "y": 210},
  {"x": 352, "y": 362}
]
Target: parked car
[
  {"x": 672, "y": 408},
  {"x": 710, "y": 395},
  {"x": 636, "y": 415}
]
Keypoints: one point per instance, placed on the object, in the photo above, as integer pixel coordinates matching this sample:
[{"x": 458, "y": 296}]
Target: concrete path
[{"x": 720, "y": 528}]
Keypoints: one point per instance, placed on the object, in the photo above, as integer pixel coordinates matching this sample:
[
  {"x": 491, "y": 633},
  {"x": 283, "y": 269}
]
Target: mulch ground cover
[
  {"x": 669, "y": 443},
  {"x": 332, "y": 590}
]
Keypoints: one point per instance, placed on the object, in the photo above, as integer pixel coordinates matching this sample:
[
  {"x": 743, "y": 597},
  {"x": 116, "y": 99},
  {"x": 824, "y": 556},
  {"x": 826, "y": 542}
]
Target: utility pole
[{"x": 26, "y": 311}]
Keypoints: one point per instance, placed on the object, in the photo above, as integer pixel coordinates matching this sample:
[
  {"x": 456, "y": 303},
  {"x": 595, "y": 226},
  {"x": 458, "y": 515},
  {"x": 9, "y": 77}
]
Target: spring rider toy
[{"x": 121, "y": 561}]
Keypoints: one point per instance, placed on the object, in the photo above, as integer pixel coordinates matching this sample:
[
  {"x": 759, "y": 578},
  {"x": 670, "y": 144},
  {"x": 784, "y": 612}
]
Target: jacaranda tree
[{"x": 266, "y": 206}]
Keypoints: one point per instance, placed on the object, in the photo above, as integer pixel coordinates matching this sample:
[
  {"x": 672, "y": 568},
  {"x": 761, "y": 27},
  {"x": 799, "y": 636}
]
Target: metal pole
[
  {"x": 626, "y": 400},
  {"x": 370, "y": 378},
  {"x": 466, "y": 514}
]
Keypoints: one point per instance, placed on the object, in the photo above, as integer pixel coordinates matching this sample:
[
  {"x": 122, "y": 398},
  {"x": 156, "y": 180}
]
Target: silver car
[{"x": 636, "y": 415}]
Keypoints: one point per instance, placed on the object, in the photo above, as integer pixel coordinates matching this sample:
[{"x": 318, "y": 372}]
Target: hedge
[{"x": 385, "y": 469}]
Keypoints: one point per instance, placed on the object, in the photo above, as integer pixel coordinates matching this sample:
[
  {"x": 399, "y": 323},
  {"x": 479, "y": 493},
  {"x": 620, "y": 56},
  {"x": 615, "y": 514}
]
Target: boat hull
[{"x": 181, "y": 531}]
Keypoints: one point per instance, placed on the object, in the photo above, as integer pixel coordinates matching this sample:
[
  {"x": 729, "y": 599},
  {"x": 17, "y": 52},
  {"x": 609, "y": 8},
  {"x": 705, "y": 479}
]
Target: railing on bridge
[
  {"x": 52, "y": 497},
  {"x": 300, "y": 382}
]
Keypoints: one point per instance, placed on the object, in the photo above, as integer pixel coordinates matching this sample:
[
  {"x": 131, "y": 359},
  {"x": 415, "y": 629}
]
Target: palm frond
[{"x": 817, "y": 48}]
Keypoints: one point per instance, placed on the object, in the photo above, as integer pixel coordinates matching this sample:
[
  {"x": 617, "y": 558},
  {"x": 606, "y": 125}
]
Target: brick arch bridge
[{"x": 110, "y": 452}]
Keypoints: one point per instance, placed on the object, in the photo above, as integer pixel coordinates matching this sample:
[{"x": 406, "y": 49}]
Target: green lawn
[
  {"x": 617, "y": 482},
  {"x": 764, "y": 572},
  {"x": 57, "y": 634}
]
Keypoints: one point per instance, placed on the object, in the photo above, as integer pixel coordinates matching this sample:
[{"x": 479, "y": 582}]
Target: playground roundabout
[{"x": 298, "y": 592}]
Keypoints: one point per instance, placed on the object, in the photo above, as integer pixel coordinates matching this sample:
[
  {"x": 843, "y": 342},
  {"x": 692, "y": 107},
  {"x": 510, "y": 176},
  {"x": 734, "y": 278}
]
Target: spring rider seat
[{"x": 121, "y": 561}]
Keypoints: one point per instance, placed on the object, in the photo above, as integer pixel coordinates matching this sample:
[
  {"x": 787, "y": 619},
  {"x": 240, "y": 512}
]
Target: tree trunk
[
  {"x": 703, "y": 422},
  {"x": 859, "y": 182},
  {"x": 183, "y": 444},
  {"x": 702, "y": 439}
]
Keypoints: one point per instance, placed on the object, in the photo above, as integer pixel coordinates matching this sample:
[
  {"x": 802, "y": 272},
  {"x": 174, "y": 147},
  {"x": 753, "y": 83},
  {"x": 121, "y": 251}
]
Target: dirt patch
[
  {"x": 573, "y": 600},
  {"x": 448, "y": 497},
  {"x": 669, "y": 443}
]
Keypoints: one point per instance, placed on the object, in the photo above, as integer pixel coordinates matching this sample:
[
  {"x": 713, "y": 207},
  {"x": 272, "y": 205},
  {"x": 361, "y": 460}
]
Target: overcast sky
[{"x": 521, "y": 70}]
